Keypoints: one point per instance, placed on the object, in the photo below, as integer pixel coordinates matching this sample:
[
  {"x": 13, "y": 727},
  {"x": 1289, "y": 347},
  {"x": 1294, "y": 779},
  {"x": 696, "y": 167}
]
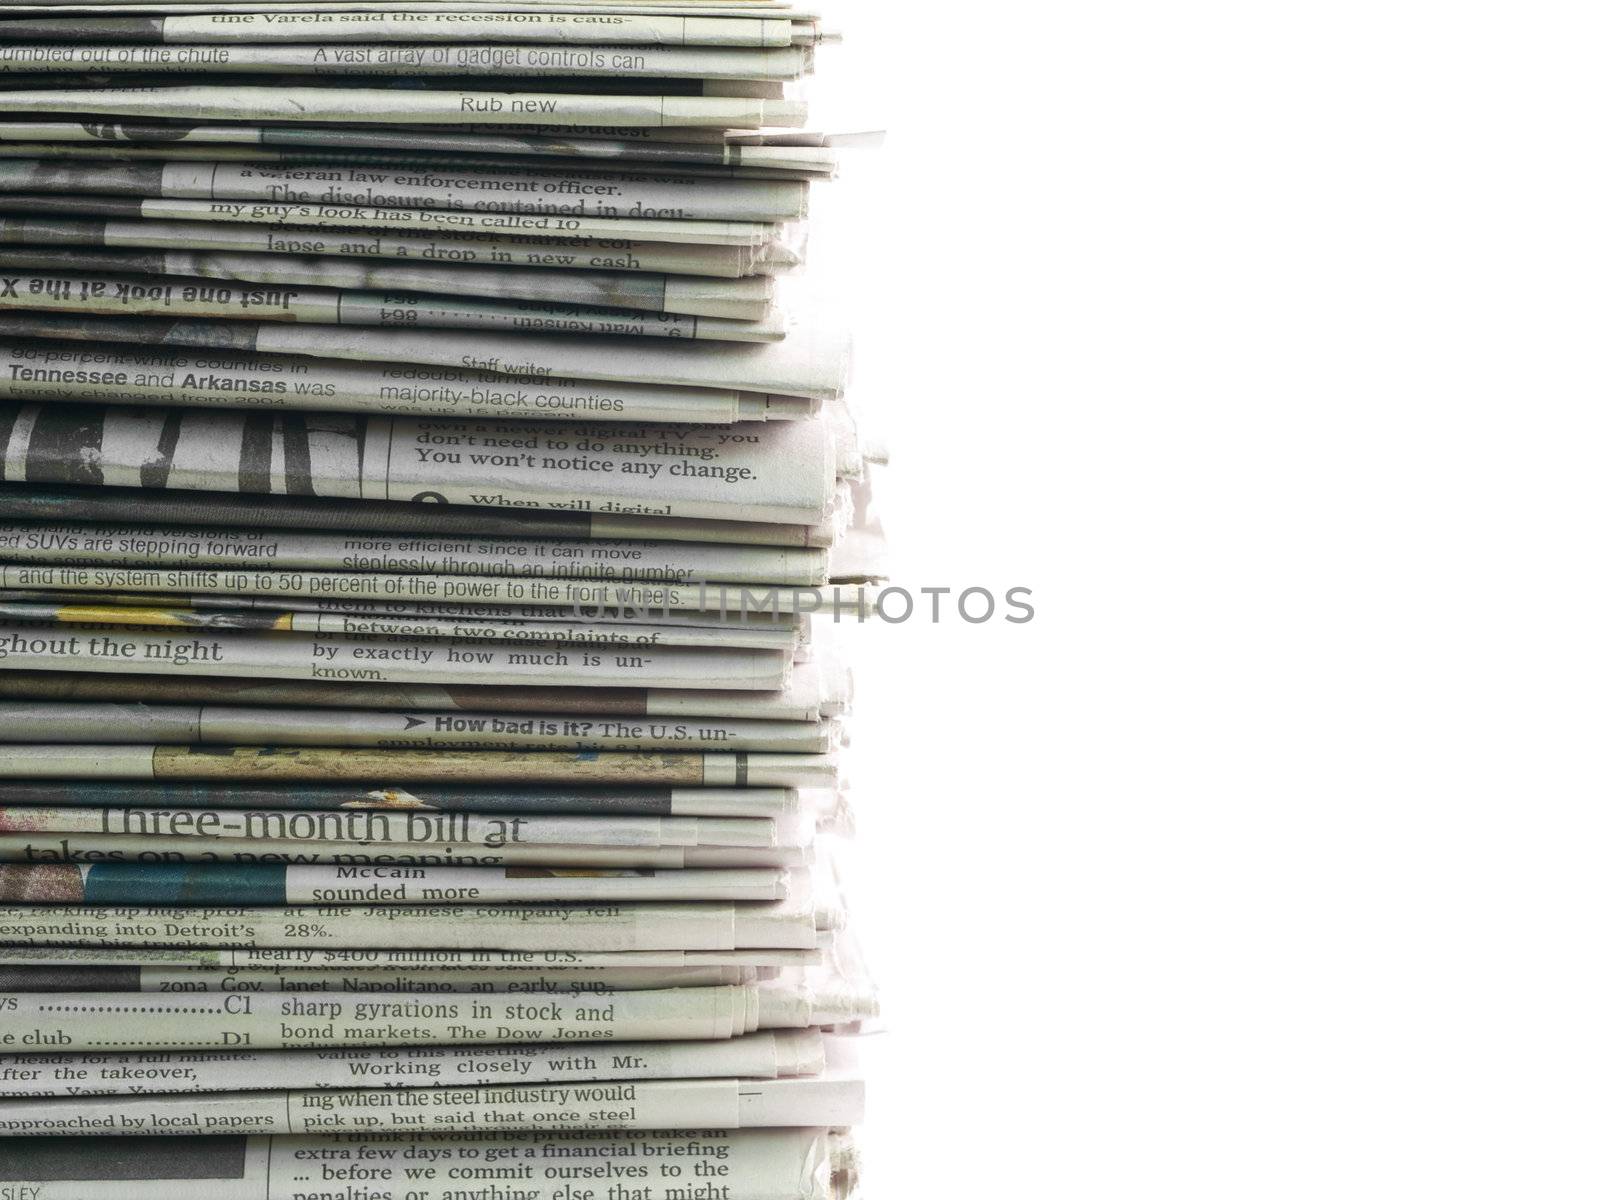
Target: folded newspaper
[
  {"x": 423, "y": 505},
  {"x": 795, "y": 1163}
]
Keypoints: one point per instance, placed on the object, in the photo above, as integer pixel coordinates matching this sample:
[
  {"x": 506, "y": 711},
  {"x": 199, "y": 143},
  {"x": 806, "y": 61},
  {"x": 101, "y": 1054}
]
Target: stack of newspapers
[{"x": 421, "y": 527}]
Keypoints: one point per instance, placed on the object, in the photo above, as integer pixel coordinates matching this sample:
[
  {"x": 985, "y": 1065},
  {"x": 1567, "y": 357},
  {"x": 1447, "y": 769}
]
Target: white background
[{"x": 1260, "y": 341}]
